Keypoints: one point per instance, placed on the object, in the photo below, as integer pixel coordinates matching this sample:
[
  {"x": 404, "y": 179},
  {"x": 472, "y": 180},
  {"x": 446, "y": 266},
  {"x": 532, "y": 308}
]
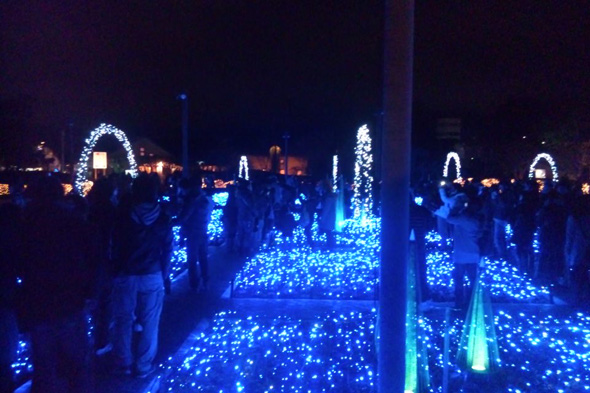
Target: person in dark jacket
[
  {"x": 102, "y": 216},
  {"x": 58, "y": 268},
  {"x": 577, "y": 250},
  {"x": 502, "y": 205},
  {"x": 551, "y": 219},
  {"x": 194, "y": 219},
  {"x": 230, "y": 219},
  {"x": 10, "y": 214},
  {"x": 459, "y": 212},
  {"x": 142, "y": 246},
  {"x": 327, "y": 219},
  {"x": 524, "y": 228}
]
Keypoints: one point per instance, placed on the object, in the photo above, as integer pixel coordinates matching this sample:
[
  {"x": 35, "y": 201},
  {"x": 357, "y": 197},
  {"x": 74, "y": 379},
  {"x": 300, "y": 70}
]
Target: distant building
[
  {"x": 275, "y": 163},
  {"x": 448, "y": 129},
  {"x": 150, "y": 158}
]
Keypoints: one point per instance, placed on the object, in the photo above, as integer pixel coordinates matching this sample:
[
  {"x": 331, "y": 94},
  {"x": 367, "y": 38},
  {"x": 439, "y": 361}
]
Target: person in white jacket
[{"x": 460, "y": 212}]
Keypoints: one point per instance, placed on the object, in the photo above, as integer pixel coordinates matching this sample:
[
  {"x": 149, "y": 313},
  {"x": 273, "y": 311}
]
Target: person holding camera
[{"x": 459, "y": 211}]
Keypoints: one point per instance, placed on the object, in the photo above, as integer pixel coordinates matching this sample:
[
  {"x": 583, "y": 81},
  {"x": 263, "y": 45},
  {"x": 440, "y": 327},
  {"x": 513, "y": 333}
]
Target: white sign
[
  {"x": 99, "y": 160},
  {"x": 540, "y": 174}
]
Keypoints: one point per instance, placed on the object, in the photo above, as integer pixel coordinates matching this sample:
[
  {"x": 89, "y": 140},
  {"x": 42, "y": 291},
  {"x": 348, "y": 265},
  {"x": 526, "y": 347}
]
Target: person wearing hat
[{"x": 458, "y": 211}]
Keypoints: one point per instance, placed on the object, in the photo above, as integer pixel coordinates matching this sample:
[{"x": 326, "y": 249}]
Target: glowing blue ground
[
  {"x": 504, "y": 281},
  {"x": 254, "y": 354},
  {"x": 305, "y": 273},
  {"x": 543, "y": 348},
  {"x": 351, "y": 270}
]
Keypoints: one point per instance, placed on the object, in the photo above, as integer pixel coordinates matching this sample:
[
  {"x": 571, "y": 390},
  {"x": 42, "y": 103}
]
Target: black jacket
[
  {"x": 57, "y": 263},
  {"x": 142, "y": 240}
]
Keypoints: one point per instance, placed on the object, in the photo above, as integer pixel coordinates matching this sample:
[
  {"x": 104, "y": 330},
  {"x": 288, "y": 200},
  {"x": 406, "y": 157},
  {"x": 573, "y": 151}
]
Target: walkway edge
[{"x": 155, "y": 384}]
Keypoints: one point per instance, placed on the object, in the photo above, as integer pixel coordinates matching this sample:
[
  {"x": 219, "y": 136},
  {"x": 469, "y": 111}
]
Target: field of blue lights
[
  {"x": 255, "y": 354},
  {"x": 542, "y": 348},
  {"x": 504, "y": 281},
  {"x": 337, "y": 352},
  {"x": 351, "y": 270},
  {"x": 306, "y": 273}
]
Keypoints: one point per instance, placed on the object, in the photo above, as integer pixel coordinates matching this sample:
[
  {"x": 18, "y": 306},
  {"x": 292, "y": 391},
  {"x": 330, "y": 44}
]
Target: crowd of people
[
  {"x": 72, "y": 264},
  {"x": 501, "y": 221},
  {"x": 66, "y": 258}
]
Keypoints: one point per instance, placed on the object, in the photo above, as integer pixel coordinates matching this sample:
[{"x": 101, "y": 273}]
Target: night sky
[{"x": 254, "y": 70}]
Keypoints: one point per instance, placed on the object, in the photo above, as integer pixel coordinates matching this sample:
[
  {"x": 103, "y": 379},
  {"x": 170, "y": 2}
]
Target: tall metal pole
[
  {"x": 397, "y": 120},
  {"x": 286, "y": 136},
  {"x": 185, "y": 166}
]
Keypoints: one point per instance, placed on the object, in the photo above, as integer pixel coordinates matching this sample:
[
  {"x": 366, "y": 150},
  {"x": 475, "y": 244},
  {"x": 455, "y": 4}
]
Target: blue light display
[
  {"x": 178, "y": 260},
  {"x": 22, "y": 364},
  {"x": 305, "y": 273},
  {"x": 543, "y": 348},
  {"x": 253, "y": 354},
  {"x": 334, "y": 352},
  {"x": 214, "y": 231}
]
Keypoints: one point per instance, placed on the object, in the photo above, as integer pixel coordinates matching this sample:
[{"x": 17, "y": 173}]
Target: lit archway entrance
[
  {"x": 551, "y": 162},
  {"x": 95, "y": 135},
  {"x": 452, "y": 156}
]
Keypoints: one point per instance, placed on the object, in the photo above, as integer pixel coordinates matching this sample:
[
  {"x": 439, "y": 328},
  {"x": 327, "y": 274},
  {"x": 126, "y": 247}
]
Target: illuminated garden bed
[
  {"x": 293, "y": 269},
  {"x": 351, "y": 271},
  {"x": 255, "y": 354},
  {"x": 538, "y": 353},
  {"x": 306, "y": 273},
  {"x": 504, "y": 282},
  {"x": 336, "y": 352}
]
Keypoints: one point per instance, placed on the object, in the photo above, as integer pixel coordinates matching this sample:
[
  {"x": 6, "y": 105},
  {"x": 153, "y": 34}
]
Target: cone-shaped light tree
[
  {"x": 478, "y": 349},
  {"x": 417, "y": 373},
  {"x": 340, "y": 205}
]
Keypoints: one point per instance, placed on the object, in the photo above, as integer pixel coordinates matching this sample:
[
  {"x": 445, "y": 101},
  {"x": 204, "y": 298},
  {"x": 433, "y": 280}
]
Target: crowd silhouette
[
  {"x": 73, "y": 265},
  {"x": 85, "y": 277}
]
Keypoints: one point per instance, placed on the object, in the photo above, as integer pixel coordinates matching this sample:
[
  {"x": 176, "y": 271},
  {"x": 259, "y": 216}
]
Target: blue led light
[
  {"x": 504, "y": 281},
  {"x": 220, "y": 198},
  {"x": 333, "y": 352}
]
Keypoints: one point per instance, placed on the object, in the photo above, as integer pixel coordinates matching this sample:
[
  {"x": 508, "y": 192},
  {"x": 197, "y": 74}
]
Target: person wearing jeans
[
  {"x": 142, "y": 246},
  {"x": 139, "y": 300}
]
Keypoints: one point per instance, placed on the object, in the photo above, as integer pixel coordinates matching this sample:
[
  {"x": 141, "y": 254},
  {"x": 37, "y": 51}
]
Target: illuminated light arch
[
  {"x": 547, "y": 158},
  {"x": 452, "y": 155},
  {"x": 95, "y": 135},
  {"x": 244, "y": 172}
]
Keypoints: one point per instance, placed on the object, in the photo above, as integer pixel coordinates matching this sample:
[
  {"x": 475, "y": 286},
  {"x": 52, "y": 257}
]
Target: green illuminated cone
[
  {"x": 478, "y": 350},
  {"x": 417, "y": 374}
]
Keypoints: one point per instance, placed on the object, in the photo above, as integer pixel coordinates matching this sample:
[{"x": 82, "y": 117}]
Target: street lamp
[
  {"x": 185, "y": 169},
  {"x": 286, "y": 137}
]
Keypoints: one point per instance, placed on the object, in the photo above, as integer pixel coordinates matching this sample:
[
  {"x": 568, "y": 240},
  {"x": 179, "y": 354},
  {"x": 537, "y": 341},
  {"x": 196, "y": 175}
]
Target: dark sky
[{"x": 255, "y": 69}]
